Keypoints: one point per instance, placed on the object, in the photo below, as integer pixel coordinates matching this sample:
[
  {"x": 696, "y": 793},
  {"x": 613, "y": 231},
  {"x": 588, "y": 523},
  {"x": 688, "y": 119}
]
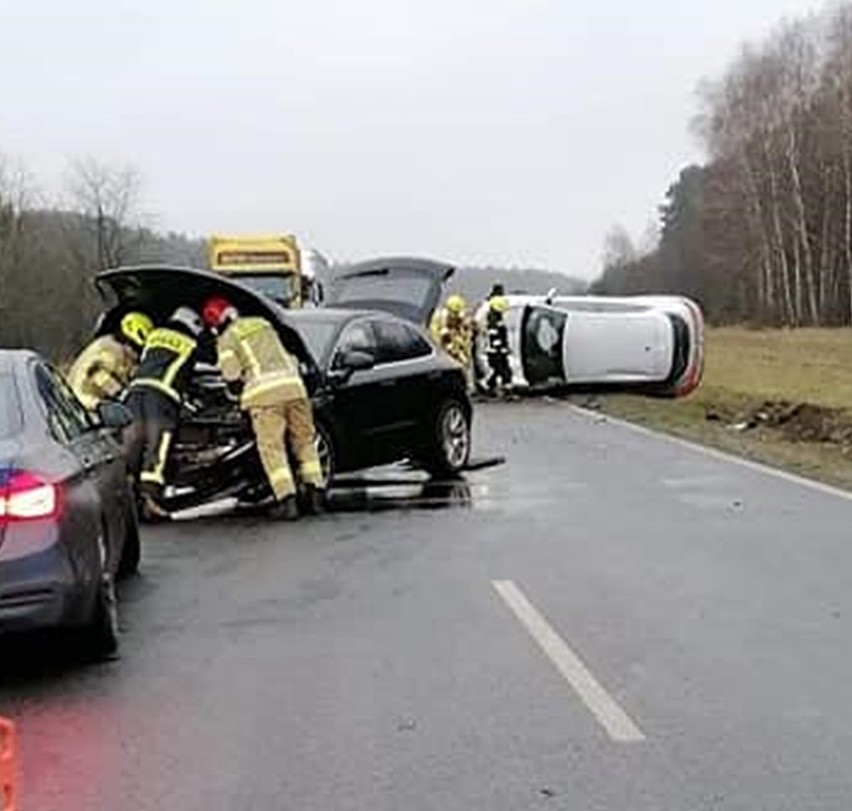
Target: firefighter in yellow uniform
[
  {"x": 155, "y": 396},
  {"x": 452, "y": 329},
  {"x": 104, "y": 368},
  {"x": 276, "y": 399}
]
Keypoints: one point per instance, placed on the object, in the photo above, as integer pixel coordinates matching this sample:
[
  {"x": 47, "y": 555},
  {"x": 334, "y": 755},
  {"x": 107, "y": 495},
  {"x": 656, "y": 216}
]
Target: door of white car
[{"x": 618, "y": 347}]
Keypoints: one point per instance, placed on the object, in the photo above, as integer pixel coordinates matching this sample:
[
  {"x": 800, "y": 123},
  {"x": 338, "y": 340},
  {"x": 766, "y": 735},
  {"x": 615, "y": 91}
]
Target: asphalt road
[{"x": 668, "y": 630}]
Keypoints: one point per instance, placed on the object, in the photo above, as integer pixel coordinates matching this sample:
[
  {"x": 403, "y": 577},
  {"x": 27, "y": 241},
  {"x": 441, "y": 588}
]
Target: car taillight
[{"x": 26, "y": 497}]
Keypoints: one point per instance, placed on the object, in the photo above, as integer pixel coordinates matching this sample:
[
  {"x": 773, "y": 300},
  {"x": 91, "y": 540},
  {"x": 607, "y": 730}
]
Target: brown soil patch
[{"x": 796, "y": 422}]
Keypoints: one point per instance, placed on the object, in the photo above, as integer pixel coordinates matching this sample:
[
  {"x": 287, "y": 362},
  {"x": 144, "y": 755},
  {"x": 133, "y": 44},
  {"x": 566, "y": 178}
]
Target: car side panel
[
  {"x": 67, "y": 543},
  {"x": 380, "y": 415},
  {"x": 366, "y": 408}
]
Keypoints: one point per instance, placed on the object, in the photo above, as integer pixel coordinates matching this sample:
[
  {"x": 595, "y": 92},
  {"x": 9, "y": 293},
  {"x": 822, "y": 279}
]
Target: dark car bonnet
[{"x": 158, "y": 290}]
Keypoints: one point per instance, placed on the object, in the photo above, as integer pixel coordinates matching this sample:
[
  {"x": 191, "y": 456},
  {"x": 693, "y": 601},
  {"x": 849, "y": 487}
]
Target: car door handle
[{"x": 388, "y": 383}]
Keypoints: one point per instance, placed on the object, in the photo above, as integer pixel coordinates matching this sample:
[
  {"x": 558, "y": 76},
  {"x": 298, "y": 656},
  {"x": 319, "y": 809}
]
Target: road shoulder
[{"x": 825, "y": 462}]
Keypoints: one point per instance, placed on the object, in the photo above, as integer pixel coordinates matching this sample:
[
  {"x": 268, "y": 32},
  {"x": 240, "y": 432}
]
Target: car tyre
[
  {"x": 326, "y": 453},
  {"x": 100, "y": 636},
  {"x": 448, "y": 451},
  {"x": 131, "y": 551}
]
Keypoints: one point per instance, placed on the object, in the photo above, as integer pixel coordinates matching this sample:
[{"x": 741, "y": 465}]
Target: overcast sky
[{"x": 482, "y": 131}]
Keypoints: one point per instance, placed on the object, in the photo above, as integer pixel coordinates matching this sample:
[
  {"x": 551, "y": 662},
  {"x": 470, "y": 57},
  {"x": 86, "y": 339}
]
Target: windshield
[
  {"x": 318, "y": 336},
  {"x": 370, "y": 290},
  {"x": 10, "y": 410},
  {"x": 279, "y": 288}
]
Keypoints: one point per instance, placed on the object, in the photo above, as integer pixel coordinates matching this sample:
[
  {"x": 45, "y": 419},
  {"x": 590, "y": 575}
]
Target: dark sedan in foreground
[
  {"x": 381, "y": 391},
  {"x": 67, "y": 517}
]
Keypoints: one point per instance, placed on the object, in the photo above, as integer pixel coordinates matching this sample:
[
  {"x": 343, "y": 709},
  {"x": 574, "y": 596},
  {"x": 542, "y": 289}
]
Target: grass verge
[{"x": 783, "y": 397}]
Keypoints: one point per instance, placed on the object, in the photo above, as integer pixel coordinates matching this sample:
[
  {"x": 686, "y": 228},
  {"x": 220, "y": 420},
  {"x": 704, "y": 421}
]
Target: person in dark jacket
[
  {"x": 155, "y": 396},
  {"x": 497, "y": 344}
]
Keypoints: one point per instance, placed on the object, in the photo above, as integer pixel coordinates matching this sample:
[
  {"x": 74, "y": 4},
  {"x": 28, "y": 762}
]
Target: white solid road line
[
  {"x": 602, "y": 705},
  {"x": 714, "y": 453}
]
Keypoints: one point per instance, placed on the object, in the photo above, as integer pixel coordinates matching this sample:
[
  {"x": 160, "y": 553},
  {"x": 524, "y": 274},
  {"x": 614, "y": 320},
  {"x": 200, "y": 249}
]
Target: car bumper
[{"x": 38, "y": 589}]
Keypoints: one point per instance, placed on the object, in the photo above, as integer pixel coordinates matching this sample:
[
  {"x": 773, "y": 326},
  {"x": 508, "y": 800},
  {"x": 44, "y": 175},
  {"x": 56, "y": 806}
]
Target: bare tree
[
  {"x": 618, "y": 247},
  {"x": 108, "y": 198},
  {"x": 17, "y": 193}
]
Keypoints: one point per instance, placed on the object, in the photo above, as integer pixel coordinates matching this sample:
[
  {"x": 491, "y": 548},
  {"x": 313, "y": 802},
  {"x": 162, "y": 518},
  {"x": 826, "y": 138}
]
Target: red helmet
[{"x": 216, "y": 311}]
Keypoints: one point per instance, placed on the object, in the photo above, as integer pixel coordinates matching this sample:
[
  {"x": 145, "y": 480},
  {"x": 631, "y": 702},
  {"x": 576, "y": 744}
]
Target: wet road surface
[{"x": 608, "y": 621}]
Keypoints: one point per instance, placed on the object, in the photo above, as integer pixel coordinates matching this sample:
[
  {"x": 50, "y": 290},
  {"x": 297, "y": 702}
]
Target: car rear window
[
  {"x": 10, "y": 407},
  {"x": 399, "y": 294}
]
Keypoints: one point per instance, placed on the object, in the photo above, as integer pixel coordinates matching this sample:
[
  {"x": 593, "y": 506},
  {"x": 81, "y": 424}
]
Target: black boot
[
  {"x": 285, "y": 510},
  {"x": 314, "y": 500}
]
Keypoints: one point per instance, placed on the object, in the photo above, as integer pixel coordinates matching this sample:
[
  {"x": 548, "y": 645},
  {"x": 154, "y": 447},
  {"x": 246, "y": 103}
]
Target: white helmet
[{"x": 189, "y": 320}]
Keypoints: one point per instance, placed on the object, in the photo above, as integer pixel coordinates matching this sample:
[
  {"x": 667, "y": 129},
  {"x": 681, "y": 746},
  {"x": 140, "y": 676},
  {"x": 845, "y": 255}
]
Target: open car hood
[
  {"x": 403, "y": 286},
  {"x": 159, "y": 290}
]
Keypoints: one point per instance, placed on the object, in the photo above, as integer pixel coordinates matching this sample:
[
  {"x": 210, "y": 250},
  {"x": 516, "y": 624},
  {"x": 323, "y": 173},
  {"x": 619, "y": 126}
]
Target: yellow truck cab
[{"x": 268, "y": 264}]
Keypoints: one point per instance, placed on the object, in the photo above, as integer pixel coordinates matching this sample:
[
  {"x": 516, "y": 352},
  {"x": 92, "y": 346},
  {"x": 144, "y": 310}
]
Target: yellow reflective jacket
[
  {"x": 453, "y": 333},
  {"x": 250, "y": 350},
  {"x": 102, "y": 370},
  {"x": 167, "y": 362}
]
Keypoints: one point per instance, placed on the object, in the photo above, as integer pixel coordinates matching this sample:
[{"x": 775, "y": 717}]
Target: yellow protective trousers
[{"x": 277, "y": 426}]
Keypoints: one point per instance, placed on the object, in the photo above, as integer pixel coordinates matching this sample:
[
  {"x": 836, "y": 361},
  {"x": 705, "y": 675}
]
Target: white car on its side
[{"x": 651, "y": 344}]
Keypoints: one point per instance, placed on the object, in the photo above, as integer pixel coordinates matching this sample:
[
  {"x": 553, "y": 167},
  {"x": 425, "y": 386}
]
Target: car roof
[
  {"x": 337, "y": 315},
  {"x": 403, "y": 262}
]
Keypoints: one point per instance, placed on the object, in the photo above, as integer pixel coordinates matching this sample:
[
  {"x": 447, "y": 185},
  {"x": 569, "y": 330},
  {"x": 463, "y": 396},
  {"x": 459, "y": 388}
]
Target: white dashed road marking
[{"x": 618, "y": 724}]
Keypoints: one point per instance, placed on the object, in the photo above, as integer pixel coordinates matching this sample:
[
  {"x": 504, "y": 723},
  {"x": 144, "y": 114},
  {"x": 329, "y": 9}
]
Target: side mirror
[
  {"x": 349, "y": 361},
  {"x": 114, "y": 415},
  {"x": 357, "y": 360}
]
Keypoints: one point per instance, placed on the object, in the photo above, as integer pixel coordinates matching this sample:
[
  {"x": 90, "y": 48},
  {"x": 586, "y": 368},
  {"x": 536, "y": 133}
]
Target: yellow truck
[{"x": 269, "y": 264}]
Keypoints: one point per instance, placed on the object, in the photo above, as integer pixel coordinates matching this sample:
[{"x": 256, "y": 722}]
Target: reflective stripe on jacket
[
  {"x": 166, "y": 362},
  {"x": 497, "y": 339},
  {"x": 102, "y": 371},
  {"x": 453, "y": 333},
  {"x": 250, "y": 350}
]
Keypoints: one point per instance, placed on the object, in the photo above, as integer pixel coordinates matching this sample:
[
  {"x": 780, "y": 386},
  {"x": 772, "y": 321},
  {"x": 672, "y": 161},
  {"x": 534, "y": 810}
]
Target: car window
[
  {"x": 280, "y": 288},
  {"x": 403, "y": 287},
  {"x": 318, "y": 335},
  {"x": 397, "y": 342},
  {"x": 70, "y": 400},
  {"x": 10, "y": 407},
  {"x": 63, "y": 418},
  {"x": 356, "y": 337}
]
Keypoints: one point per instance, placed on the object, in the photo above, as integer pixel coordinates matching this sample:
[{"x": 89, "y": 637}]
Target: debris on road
[{"x": 406, "y": 725}]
